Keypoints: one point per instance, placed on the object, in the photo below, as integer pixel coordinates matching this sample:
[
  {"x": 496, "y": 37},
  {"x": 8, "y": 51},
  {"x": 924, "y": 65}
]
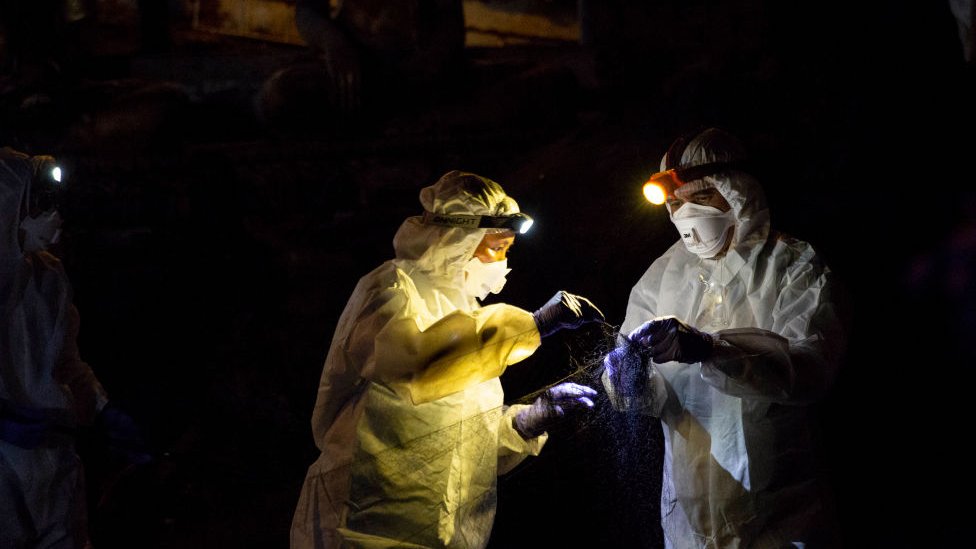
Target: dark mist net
[{"x": 600, "y": 472}]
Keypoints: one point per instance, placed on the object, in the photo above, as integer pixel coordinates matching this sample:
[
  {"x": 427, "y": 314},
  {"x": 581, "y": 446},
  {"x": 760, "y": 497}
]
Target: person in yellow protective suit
[
  {"x": 47, "y": 392},
  {"x": 730, "y": 337},
  {"x": 410, "y": 417}
]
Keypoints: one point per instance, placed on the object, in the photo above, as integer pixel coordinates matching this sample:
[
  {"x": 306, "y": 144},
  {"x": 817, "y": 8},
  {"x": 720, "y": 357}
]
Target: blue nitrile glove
[
  {"x": 627, "y": 368},
  {"x": 565, "y": 310},
  {"x": 122, "y": 434},
  {"x": 554, "y": 405},
  {"x": 667, "y": 338}
]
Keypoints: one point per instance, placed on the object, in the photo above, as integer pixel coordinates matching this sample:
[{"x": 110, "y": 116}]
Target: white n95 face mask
[
  {"x": 41, "y": 231},
  {"x": 703, "y": 229},
  {"x": 484, "y": 278}
]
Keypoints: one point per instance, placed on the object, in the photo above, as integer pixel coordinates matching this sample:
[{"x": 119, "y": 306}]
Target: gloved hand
[
  {"x": 554, "y": 405},
  {"x": 122, "y": 434},
  {"x": 565, "y": 310},
  {"x": 667, "y": 338},
  {"x": 627, "y": 368}
]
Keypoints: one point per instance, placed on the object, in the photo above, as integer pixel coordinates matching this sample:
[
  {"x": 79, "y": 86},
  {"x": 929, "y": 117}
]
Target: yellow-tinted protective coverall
[{"x": 409, "y": 415}]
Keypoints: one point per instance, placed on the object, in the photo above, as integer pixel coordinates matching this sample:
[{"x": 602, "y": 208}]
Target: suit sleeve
[
  {"x": 88, "y": 395},
  {"x": 794, "y": 362},
  {"x": 427, "y": 361}
]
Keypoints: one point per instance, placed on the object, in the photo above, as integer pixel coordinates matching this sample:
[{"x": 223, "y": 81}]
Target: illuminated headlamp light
[
  {"x": 48, "y": 184},
  {"x": 661, "y": 186},
  {"x": 518, "y": 222}
]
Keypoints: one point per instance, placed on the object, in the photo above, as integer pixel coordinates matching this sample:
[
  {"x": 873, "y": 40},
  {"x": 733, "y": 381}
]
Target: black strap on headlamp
[
  {"x": 518, "y": 222},
  {"x": 684, "y": 174},
  {"x": 691, "y": 173}
]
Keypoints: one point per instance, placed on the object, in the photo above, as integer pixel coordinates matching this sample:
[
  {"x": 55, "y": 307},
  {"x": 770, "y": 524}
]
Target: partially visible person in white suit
[{"x": 729, "y": 338}]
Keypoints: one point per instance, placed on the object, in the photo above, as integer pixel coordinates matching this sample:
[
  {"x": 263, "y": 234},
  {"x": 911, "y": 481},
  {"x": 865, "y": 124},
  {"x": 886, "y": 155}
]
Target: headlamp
[
  {"x": 661, "y": 185},
  {"x": 518, "y": 222},
  {"x": 48, "y": 184}
]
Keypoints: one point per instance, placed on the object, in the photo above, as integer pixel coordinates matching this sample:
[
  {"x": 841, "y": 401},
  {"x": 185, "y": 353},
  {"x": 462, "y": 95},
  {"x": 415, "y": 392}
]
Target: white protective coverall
[
  {"x": 739, "y": 464},
  {"x": 409, "y": 415},
  {"x": 45, "y": 387}
]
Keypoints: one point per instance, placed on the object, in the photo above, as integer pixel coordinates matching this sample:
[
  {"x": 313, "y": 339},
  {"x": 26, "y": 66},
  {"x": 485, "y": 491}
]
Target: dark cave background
[{"x": 211, "y": 257}]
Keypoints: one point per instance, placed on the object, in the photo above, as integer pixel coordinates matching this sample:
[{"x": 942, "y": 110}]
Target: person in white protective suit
[
  {"x": 47, "y": 392},
  {"x": 410, "y": 416},
  {"x": 732, "y": 334}
]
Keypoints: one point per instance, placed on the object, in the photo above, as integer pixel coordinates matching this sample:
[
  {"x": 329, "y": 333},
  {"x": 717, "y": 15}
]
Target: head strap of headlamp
[
  {"x": 515, "y": 222},
  {"x": 685, "y": 174}
]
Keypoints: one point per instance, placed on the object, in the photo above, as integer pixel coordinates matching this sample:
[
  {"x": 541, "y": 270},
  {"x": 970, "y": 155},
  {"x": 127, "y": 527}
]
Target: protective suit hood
[
  {"x": 16, "y": 172},
  {"x": 741, "y": 190},
  {"x": 439, "y": 252}
]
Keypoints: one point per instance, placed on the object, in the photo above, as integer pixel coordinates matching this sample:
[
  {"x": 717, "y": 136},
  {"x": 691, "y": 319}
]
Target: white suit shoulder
[{"x": 797, "y": 258}]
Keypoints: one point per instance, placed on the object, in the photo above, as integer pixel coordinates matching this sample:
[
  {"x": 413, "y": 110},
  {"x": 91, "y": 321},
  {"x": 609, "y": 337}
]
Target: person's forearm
[
  {"x": 758, "y": 364},
  {"x": 88, "y": 395},
  {"x": 455, "y": 352}
]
